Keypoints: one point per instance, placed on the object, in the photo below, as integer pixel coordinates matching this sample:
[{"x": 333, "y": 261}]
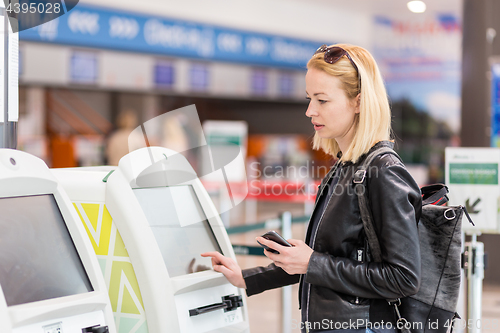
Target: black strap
[
  {"x": 435, "y": 194},
  {"x": 467, "y": 214},
  {"x": 452, "y": 326},
  {"x": 366, "y": 215},
  {"x": 367, "y": 218}
]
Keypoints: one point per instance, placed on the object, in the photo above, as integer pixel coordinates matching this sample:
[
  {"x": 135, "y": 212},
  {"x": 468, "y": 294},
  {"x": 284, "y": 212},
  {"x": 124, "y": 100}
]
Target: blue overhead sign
[
  {"x": 101, "y": 28},
  {"x": 495, "y": 105}
]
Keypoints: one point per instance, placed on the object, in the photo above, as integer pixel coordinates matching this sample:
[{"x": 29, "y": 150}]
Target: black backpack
[{"x": 433, "y": 308}]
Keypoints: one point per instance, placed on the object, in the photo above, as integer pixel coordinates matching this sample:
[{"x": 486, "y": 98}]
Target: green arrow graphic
[{"x": 471, "y": 208}]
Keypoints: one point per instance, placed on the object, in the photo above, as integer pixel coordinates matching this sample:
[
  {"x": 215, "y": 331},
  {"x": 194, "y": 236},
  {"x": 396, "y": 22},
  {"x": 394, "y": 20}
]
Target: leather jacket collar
[{"x": 384, "y": 143}]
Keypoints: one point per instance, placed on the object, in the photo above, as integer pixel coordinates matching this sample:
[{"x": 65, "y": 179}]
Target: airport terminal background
[{"x": 90, "y": 77}]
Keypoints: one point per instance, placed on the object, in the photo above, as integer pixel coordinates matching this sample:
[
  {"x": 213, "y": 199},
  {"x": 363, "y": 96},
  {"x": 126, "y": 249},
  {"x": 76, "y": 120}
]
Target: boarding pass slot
[{"x": 229, "y": 303}]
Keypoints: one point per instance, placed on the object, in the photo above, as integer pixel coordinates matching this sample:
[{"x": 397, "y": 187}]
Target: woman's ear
[{"x": 357, "y": 101}]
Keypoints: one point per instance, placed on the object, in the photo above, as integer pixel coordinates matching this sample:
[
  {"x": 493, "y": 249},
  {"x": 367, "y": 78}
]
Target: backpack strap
[
  {"x": 364, "y": 207},
  {"x": 367, "y": 218}
]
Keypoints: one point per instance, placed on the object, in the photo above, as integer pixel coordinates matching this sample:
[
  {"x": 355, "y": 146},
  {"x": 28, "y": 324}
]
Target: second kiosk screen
[{"x": 180, "y": 227}]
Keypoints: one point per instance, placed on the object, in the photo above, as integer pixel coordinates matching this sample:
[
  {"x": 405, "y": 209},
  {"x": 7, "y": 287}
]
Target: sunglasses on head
[{"x": 334, "y": 53}]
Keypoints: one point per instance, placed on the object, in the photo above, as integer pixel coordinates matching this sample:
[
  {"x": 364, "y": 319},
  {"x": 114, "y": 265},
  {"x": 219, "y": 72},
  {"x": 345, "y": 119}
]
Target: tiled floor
[{"x": 265, "y": 309}]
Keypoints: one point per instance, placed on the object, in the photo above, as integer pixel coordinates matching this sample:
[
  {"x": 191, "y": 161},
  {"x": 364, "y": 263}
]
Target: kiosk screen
[
  {"x": 180, "y": 227},
  {"x": 38, "y": 259}
]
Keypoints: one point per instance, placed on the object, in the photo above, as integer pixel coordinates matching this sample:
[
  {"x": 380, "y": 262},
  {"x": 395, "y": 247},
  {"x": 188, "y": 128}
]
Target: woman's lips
[{"x": 317, "y": 127}]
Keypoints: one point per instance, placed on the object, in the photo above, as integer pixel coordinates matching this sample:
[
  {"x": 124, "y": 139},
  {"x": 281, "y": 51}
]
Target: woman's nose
[{"x": 311, "y": 112}]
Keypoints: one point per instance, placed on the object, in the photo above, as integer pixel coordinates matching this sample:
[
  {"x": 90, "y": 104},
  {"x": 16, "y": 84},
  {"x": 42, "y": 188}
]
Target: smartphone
[{"x": 275, "y": 237}]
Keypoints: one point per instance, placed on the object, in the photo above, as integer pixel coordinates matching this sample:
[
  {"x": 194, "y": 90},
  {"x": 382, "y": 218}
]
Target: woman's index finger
[{"x": 214, "y": 254}]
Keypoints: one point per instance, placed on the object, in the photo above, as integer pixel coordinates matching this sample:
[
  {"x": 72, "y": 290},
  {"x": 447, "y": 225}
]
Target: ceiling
[{"x": 392, "y": 7}]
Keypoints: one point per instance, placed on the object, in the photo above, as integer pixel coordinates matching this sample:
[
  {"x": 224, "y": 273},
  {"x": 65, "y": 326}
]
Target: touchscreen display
[
  {"x": 180, "y": 227},
  {"x": 38, "y": 259}
]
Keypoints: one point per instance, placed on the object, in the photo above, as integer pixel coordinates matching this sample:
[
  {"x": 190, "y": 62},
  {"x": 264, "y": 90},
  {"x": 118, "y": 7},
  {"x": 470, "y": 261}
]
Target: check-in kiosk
[
  {"x": 153, "y": 214},
  {"x": 49, "y": 277}
]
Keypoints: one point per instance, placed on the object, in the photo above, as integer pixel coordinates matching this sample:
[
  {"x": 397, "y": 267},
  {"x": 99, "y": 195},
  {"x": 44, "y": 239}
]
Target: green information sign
[
  {"x": 223, "y": 139},
  {"x": 474, "y": 173}
]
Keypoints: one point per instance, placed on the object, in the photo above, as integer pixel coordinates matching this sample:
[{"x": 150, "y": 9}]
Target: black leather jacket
[{"x": 345, "y": 286}]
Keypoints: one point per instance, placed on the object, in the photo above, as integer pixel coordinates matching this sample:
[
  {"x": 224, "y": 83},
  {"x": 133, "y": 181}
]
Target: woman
[{"x": 339, "y": 287}]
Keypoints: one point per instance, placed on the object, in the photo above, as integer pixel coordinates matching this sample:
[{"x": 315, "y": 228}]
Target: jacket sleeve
[
  {"x": 395, "y": 202},
  {"x": 259, "y": 279}
]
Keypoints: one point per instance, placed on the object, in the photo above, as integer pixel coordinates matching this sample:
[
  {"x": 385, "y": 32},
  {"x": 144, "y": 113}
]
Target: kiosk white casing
[
  {"x": 144, "y": 176},
  {"x": 42, "y": 305}
]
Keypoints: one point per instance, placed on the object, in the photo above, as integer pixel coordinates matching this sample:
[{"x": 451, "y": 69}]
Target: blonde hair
[{"x": 373, "y": 123}]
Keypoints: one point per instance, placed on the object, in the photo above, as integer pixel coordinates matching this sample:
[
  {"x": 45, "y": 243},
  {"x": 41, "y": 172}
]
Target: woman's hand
[
  {"x": 293, "y": 260},
  {"x": 228, "y": 267}
]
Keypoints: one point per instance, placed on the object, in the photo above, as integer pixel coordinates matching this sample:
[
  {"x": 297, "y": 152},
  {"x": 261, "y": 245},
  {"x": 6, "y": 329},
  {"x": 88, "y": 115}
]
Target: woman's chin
[{"x": 323, "y": 135}]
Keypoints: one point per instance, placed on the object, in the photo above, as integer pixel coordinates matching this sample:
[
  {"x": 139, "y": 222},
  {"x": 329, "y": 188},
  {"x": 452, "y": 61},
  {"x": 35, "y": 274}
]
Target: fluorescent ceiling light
[{"x": 416, "y": 6}]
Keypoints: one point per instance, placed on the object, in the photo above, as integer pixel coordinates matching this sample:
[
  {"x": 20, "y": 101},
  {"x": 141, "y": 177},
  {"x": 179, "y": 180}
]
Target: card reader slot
[
  {"x": 229, "y": 303},
  {"x": 96, "y": 329},
  {"x": 207, "y": 308}
]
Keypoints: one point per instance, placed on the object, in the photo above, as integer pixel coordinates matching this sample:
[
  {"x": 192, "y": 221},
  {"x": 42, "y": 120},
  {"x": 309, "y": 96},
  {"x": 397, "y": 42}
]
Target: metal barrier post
[
  {"x": 475, "y": 276},
  {"x": 9, "y": 107},
  {"x": 250, "y": 210},
  {"x": 462, "y": 297},
  {"x": 286, "y": 292},
  {"x": 309, "y": 204},
  {"x": 224, "y": 208}
]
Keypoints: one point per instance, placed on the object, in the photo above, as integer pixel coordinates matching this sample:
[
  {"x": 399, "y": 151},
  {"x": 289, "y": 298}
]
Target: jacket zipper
[
  {"x": 315, "y": 232},
  {"x": 360, "y": 258},
  {"x": 316, "y": 203}
]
